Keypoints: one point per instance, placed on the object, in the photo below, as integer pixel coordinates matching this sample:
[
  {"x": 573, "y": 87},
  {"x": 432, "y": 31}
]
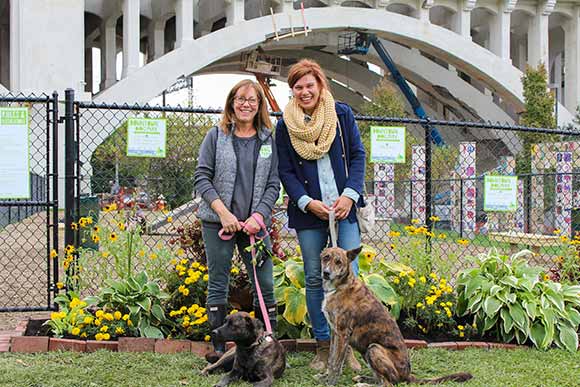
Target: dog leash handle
[{"x": 332, "y": 228}]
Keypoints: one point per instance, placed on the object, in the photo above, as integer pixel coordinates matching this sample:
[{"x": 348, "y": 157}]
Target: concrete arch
[
  {"x": 479, "y": 63},
  {"x": 357, "y": 3}
]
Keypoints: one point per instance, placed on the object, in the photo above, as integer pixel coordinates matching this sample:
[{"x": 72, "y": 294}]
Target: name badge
[{"x": 265, "y": 151}]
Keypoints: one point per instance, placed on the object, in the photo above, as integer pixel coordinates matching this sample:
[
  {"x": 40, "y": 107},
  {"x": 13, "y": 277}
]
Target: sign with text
[
  {"x": 387, "y": 144},
  {"x": 146, "y": 137},
  {"x": 14, "y": 154},
  {"x": 500, "y": 193}
]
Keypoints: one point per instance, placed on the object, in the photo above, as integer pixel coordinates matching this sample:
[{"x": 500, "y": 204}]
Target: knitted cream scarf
[{"x": 312, "y": 139}]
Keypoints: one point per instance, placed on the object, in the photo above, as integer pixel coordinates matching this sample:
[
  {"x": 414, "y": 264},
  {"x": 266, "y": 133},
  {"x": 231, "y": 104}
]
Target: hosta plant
[
  {"x": 510, "y": 298},
  {"x": 139, "y": 297}
]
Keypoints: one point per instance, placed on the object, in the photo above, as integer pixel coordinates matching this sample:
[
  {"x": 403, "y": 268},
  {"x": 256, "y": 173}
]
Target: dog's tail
[{"x": 458, "y": 377}]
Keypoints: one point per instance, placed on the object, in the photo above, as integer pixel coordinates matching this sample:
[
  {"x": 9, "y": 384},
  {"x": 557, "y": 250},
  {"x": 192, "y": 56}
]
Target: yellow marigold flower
[
  {"x": 396, "y": 280},
  {"x": 153, "y": 256},
  {"x": 109, "y": 317},
  {"x": 434, "y": 218},
  {"x": 55, "y": 316},
  {"x": 463, "y": 242},
  {"x": 173, "y": 262},
  {"x": 99, "y": 336},
  {"x": 442, "y": 236},
  {"x": 234, "y": 311},
  {"x": 113, "y": 237},
  {"x": 235, "y": 270},
  {"x": 202, "y": 268},
  {"x": 74, "y": 226},
  {"x": 88, "y": 320},
  {"x": 141, "y": 253},
  {"x": 415, "y": 221},
  {"x": 121, "y": 226},
  {"x": 180, "y": 252},
  {"x": 461, "y": 334},
  {"x": 207, "y": 338},
  {"x": 129, "y": 323},
  {"x": 205, "y": 277},
  {"x": 97, "y": 322},
  {"x": 449, "y": 304},
  {"x": 437, "y": 311},
  {"x": 410, "y": 229},
  {"x": 394, "y": 234},
  {"x": 188, "y": 281},
  {"x": 183, "y": 262},
  {"x": 460, "y": 327},
  {"x": 106, "y": 336},
  {"x": 402, "y": 274},
  {"x": 433, "y": 275},
  {"x": 104, "y": 328},
  {"x": 117, "y": 315},
  {"x": 423, "y": 279},
  {"x": 83, "y": 335},
  {"x": 419, "y": 305},
  {"x": 170, "y": 219},
  {"x": 53, "y": 253},
  {"x": 557, "y": 231},
  {"x": 59, "y": 285},
  {"x": 564, "y": 238},
  {"x": 119, "y": 331},
  {"x": 125, "y": 317},
  {"x": 185, "y": 323},
  {"x": 105, "y": 254},
  {"x": 99, "y": 313}
]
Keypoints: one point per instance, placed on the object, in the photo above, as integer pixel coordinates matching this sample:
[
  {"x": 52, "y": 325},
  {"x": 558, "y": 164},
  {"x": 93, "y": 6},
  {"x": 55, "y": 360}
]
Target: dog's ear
[
  {"x": 258, "y": 325},
  {"x": 352, "y": 254}
]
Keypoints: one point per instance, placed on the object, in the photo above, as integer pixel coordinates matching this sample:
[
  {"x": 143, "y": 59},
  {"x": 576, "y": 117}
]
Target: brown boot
[
  {"x": 351, "y": 360},
  {"x": 320, "y": 361}
]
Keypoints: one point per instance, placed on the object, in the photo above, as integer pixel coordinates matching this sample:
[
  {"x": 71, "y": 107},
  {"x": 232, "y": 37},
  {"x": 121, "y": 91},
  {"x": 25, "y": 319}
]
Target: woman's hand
[
  {"x": 229, "y": 222},
  {"x": 251, "y": 225},
  {"x": 319, "y": 209},
  {"x": 342, "y": 207}
]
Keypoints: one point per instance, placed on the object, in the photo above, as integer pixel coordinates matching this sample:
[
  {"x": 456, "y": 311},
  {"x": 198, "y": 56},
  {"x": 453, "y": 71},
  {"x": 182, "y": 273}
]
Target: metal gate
[{"x": 29, "y": 226}]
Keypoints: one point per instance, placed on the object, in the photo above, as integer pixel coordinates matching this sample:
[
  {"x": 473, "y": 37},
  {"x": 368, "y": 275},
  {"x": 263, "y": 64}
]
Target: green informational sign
[
  {"x": 388, "y": 144},
  {"x": 14, "y": 154},
  {"x": 146, "y": 137},
  {"x": 500, "y": 193}
]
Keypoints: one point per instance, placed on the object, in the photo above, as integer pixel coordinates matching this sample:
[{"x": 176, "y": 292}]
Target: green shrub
[{"x": 511, "y": 299}]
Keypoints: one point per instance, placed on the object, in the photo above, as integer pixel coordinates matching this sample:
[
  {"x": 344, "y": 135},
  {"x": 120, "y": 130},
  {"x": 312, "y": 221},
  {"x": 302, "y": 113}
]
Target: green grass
[{"x": 496, "y": 368}]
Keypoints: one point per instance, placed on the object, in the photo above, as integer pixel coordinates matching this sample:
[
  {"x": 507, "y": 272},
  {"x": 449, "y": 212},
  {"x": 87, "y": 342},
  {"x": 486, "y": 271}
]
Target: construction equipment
[
  {"x": 263, "y": 67},
  {"x": 353, "y": 42}
]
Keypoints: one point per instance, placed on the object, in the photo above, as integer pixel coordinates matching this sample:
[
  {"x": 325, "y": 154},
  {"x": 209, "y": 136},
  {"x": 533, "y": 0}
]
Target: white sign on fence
[
  {"x": 14, "y": 154},
  {"x": 500, "y": 193},
  {"x": 387, "y": 144},
  {"x": 146, "y": 137}
]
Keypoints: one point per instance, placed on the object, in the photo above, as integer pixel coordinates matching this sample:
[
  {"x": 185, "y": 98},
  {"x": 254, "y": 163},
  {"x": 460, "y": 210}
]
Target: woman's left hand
[
  {"x": 251, "y": 226},
  {"x": 342, "y": 207}
]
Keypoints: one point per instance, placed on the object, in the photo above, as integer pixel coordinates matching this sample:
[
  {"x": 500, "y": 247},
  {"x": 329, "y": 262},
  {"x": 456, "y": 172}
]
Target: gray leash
[{"x": 332, "y": 225}]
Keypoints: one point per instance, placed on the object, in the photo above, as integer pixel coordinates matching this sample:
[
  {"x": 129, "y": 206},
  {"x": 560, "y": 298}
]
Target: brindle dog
[
  {"x": 259, "y": 359},
  {"x": 358, "y": 318}
]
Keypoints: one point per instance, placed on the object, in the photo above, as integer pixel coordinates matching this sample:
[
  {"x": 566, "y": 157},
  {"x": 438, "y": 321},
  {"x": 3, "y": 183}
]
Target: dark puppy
[
  {"x": 358, "y": 318},
  {"x": 259, "y": 359}
]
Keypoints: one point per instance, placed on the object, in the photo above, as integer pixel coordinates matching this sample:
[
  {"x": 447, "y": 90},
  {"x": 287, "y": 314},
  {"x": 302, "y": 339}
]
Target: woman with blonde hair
[
  {"x": 322, "y": 165},
  {"x": 237, "y": 178}
]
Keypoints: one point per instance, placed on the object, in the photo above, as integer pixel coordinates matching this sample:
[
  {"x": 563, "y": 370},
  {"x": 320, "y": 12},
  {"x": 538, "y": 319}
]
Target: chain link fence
[
  {"x": 28, "y": 225},
  {"x": 459, "y": 219}
]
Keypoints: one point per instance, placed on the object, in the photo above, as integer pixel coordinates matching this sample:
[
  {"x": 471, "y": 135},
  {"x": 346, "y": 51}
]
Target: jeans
[
  {"x": 312, "y": 242},
  {"x": 219, "y": 263}
]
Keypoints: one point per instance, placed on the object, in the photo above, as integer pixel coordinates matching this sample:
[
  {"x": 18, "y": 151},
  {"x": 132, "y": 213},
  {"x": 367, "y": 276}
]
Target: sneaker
[{"x": 320, "y": 361}]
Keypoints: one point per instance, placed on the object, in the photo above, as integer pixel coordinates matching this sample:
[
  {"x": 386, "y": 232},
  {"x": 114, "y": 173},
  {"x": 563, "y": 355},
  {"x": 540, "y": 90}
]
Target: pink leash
[{"x": 253, "y": 237}]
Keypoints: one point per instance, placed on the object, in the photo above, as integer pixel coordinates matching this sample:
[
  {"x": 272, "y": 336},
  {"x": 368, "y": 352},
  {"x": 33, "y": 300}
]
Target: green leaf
[
  {"x": 537, "y": 334},
  {"x": 495, "y": 289},
  {"x": 519, "y": 316},
  {"x": 531, "y": 309},
  {"x": 489, "y": 323},
  {"x": 152, "y": 332},
  {"x": 145, "y": 304},
  {"x": 295, "y": 300},
  {"x": 508, "y": 322},
  {"x": 279, "y": 294},
  {"x": 473, "y": 303},
  {"x": 295, "y": 273},
  {"x": 133, "y": 309},
  {"x": 491, "y": 305},
  {"x": 510, "y": 281},
  {"x": 157, "y": 312},
  {"x": 569, "y": 338},
  {"x": 382, "y": 289},
  {"x": 574, "y": 316}
]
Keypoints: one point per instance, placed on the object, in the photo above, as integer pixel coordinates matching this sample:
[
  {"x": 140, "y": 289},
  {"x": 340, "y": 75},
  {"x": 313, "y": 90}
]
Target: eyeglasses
[{"x": 242, "y": 100}]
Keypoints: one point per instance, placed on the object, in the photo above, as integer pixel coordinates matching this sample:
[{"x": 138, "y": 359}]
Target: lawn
[{"x": 496, "y": 368}]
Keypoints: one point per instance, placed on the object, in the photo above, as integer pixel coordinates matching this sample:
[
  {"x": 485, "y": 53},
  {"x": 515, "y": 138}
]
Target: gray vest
[{"x": 225, "y": 171}]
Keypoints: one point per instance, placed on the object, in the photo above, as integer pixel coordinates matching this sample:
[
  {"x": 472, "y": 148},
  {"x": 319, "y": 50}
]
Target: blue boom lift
[{"x": 359, "y": 43}]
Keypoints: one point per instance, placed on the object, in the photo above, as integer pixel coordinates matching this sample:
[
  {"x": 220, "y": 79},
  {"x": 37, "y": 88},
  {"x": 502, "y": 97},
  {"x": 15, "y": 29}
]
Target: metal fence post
[
  {"x": 428, "y": 193},
  {"x": 69, "y": 167},
  {"x": 55, "y": 237}
]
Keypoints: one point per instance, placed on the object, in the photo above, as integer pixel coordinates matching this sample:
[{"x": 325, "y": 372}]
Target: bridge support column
[
  {"x": 131, "y": 36},
  {"x": 184, "y": 22},
  {"x": 500, "y": 31},
  {"x": 572, "y": 53},
  {"x": 462, "y": 22},
  {"x": 422, "y": 12},
  {"x": 108, "y": 53},
  {"x": 156, "y": 40},
  {"x": 282, "y": 6},
  {"x": 538, "y": 39},
  {"x": 235, "y": 12}
]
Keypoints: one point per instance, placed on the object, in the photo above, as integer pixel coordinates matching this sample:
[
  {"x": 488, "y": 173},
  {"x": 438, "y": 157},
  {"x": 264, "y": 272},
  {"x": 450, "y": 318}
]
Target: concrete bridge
[{"x": 464, "y": 57}]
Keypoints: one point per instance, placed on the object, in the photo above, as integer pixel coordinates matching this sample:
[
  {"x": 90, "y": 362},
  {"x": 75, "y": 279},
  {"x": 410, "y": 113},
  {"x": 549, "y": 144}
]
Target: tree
[{"x": 539, "y": 113}]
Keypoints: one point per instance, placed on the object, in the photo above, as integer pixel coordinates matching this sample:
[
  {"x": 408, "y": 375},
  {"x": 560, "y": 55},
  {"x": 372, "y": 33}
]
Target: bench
[{"x": 533, "y": 241}]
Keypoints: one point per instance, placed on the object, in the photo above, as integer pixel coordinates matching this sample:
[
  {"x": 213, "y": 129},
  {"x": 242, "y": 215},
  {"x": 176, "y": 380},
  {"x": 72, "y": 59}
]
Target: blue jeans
[
  {"x": 219, "y": 255},
  {"x": 312, "y": 242}
]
